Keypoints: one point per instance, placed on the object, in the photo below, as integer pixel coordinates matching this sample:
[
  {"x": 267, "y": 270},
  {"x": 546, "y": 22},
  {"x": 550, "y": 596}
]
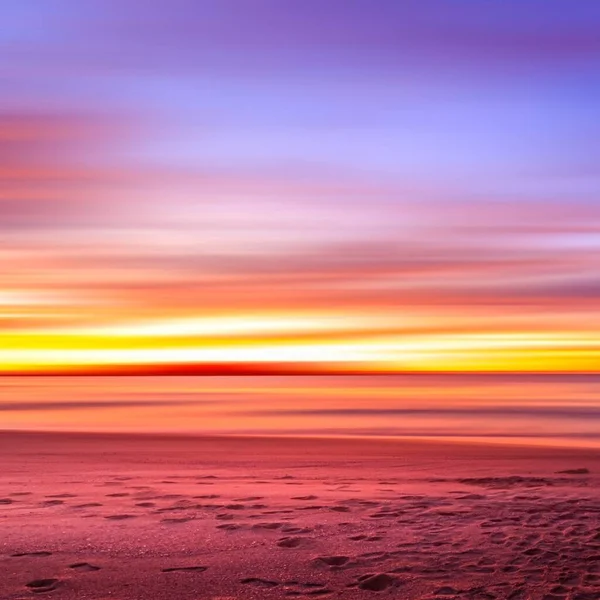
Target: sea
[{"x": 537, "y": 409}]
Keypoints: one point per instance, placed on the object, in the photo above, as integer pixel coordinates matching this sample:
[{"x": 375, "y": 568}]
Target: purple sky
[{"x": 432, "y": 158}]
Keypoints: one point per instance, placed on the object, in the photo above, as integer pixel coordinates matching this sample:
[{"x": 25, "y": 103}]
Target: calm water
[{"x": 538, "y": 409}]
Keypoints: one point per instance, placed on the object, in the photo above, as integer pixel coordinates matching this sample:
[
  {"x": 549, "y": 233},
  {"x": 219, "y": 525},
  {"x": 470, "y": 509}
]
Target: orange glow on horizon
[{"x": 308, "y": 344}]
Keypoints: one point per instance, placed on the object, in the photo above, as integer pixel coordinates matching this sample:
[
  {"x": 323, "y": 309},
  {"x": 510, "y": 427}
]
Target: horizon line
[{"x": 267, "y": 369}]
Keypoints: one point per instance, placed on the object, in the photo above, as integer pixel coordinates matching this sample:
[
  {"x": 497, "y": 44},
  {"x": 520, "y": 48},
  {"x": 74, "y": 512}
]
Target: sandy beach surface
[{"x": 100, "y": 516}]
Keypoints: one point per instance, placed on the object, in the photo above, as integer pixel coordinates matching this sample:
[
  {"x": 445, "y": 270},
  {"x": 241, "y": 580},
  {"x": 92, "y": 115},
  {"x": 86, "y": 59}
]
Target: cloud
[
  {"x": 170, "y": 400},
  {"x": 246, "y": 37},
  {"x": 554, "y": 412},
  {"x": 46, "y": 179},
  {"x": 326, "y": 158},
  {"x": 89, "y": 404}
]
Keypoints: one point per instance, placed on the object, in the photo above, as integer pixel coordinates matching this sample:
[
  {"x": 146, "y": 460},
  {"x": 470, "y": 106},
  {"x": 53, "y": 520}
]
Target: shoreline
[{"x": 534, "y": 443}]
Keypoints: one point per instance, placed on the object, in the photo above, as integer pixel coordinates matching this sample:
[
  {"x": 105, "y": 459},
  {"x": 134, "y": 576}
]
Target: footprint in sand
[
  {"x": 146, "y": 504},
  {"x": 332, "y": 561},
  {"x": 39, "y": 553},
  {"x": 119, "y": 517},
  {"x": 259, "y": 582},
  {"x": 62, "y": 496},
  {"x": 267, "y": 525},
  {"x": 294, "y": 529},
  {"x": 184, "y": 569},
  {"x": 52, "y": 502},
  {"x": 446, "y": 591},
  {"x": 224, "y": 517},
  {"x": 84, "y": 567},
  {"x": 290, "y": 542},
  {"x": 582, "y": 471},
  {"x": 88, "y": 505},
  {"x": 471, "y": 497},
  {"x": 249, "y": 499},
  {"x": 229, "y": 527},
  {"x": 366, "y": 538},
  {"x": 38, "y": 586},
  {"x": 376, "y": 583}
]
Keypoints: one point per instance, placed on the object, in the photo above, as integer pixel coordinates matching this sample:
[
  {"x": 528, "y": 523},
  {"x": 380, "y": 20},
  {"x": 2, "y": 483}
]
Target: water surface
[{"x": 541, "y": 409}]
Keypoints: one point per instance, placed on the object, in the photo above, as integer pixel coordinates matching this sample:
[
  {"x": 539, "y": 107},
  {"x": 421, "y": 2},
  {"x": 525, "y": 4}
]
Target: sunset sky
[{"x": 315, "y": 185}]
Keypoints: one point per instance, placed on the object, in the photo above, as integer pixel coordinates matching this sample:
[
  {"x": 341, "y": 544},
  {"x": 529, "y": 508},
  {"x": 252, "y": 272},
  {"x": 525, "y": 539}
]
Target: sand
[{"x": 156, "y": 517}]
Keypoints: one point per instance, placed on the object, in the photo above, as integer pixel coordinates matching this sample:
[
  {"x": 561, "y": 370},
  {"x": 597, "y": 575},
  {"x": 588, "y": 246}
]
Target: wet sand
[{"x": 167, "y": 517}]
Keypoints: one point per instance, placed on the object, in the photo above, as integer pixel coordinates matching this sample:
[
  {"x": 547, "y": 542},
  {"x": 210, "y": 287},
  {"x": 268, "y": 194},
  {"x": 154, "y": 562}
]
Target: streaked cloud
[{"x": 194, "y": 189}]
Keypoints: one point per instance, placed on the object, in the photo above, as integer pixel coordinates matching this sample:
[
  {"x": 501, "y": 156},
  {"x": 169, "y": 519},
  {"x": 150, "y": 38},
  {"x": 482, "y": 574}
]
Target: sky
[{"x": 267, "y": 186}]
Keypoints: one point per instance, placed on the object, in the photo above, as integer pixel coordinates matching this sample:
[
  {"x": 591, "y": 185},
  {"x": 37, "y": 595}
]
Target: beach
[{"x": 98, "y": 516}]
